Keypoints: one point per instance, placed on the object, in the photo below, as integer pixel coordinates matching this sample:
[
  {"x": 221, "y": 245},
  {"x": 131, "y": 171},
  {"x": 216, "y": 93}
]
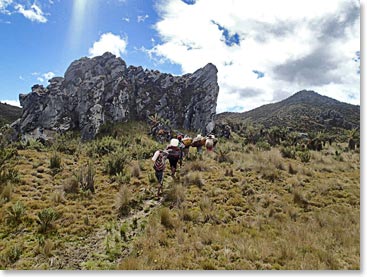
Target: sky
[{"x": 264, "y": 50}]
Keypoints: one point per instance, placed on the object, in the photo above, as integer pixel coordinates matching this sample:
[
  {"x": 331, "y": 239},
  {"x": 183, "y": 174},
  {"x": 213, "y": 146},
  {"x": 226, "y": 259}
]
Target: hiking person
[
  {"x": 187, "y": 142},
  {"x": 159, "y": 159},
  {"x": 198, "y": 142},
  {"x": 210, "y": 142},
  {"x": 182, "y": 146},
  {"x": 173, "y": 155}
]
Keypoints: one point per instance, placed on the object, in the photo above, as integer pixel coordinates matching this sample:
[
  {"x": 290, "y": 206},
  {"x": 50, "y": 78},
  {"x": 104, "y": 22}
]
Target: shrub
[
  {"x": 291, "y": 169},
  {"x": 223, "y": 156},
  {"x": 123, "y": 231},
  {"x": 85, "y": 178},
  {"x": 166, "y": 218},
  {"x": 106, "y": 145},
  {"x": 72, "y": 185},
  {"x": 299, "y": 199},
  {"x": 46, "y": 219},
  {"x": 176, "y": 195},
  {"x": 67, "y": 143},
  {"x": 207, "y": 208},
  {"x": 263, "y": 146},
  {"x": 123, "y": 201},
  {"x": 15, "y": 213},
  {"x": 6, "y": 192},
  {"x": 193, "y": 178},
  {"x": 6, "y": 154},
  {"x": 55, "y": 161},
  {"x": 10, "y": 175},
  {"x": 12, "y": 254},
  {"x": 135, "y": 170},
  {"x": 116, "y": 163},
  {"x": 58, "y": 196},
  {"x": 304, "y": 156},
  {"x": 288, "y": 152}
]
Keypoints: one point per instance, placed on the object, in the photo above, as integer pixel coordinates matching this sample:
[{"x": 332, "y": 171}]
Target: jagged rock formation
[{"x": 103, "y": 89}]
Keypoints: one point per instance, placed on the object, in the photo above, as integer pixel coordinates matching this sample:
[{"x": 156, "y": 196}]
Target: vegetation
[{"x": 257, "y": 202}]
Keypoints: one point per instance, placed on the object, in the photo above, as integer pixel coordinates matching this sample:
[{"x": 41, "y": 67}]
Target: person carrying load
[
  {"x": 210, "y": 142},
  {"x": 174, "y": 151},
  {"x": 159, "y": 159},
  {"x": 198, "y": 142},
  {"x": 187, "y": 142},
  {"x": 181, "y": 145}
]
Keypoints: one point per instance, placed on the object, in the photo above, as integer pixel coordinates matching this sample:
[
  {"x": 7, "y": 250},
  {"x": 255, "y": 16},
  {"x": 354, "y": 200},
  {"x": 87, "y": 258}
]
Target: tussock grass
[{"x": 250, "y": 212}]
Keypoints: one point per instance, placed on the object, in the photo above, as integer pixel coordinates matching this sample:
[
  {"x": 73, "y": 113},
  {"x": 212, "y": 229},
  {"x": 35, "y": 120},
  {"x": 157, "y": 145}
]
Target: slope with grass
[
  {"x": 9, "y": 113},
  {"x": 93, "y": 205},
  {"x": 304, "y": 111}
]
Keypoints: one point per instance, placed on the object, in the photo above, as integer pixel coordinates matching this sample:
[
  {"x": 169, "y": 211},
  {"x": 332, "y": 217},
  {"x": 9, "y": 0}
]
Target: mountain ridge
[{"x": 304, "y": 111}]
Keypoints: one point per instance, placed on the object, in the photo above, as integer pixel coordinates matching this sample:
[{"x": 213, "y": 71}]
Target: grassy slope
[
  {"x": 258, "y": 210},
  {"x": 9, "y": 114}
]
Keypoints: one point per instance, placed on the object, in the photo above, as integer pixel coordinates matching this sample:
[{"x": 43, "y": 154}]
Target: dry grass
[{"x": 256, "y": 210}]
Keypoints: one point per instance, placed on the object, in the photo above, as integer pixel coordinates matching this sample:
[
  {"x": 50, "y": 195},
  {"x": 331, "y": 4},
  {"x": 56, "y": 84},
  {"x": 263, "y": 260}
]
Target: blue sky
[{"x": 264, "y": 51}]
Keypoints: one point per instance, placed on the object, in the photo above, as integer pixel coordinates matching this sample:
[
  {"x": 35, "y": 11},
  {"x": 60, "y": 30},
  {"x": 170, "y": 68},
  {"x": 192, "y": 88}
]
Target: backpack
[
  {"x": 173, "y": 152},
  {"x": 159, "y": 163}
]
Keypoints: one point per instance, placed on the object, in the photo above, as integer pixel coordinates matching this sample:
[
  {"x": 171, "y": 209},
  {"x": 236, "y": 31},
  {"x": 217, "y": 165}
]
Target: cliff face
[{"x": 103, "y": 89}]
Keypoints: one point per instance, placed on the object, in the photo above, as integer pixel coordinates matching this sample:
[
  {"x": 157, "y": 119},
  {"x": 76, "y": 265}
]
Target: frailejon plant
[
  {"x": 55, "y": 161},
  {"x": 46, "y": 219},
  {"x": 15, "y": 213}
]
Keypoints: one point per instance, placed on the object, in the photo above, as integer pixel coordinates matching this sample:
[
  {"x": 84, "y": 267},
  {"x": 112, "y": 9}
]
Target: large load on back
[
  {"x": 173, "y": 149},
  {"x": 198, "y": 141}
]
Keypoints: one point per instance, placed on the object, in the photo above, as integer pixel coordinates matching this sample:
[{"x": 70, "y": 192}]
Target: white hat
[{"x": 174, "y": 142}]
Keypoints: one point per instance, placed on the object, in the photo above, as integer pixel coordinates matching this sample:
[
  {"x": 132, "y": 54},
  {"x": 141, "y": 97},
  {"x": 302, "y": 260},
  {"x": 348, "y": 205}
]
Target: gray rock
[{"x": 102, "y": 89}]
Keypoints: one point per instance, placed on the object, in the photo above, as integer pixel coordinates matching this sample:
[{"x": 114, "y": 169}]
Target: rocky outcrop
[{"x": 103, "y": 89}]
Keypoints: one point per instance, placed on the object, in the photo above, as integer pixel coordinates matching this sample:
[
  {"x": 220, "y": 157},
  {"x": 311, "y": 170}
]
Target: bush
[
  {"x": 304, "y": 156},
  {"x": 105, "y": 146},
  {"x": 58, "y": 196},
  {"x": 176, "y": 195},
  {"x": 193, "y": 178},
  {"x": 263, "y": 146},
  {"x": 10, "y": 175},
  {"x": 12, "y": 254},
  {"x": 6, "y": 154},
  {"x": 116, "y": 163},
  {"x": 55, "y": 161},
  {"x": 67, "y": 143},
  {"x": 123, "y": 201},
  {"x": 288, "y": 152},
  {"x": 84, "y": 179},
  {"x": 166, "y": 218},
  {"x": 46, "y": 219},
  {"x": 72, "y": 185},
  {"x": 223, "y": 156},
  {"x": 6, "y": 193},
  {"x": 135, "y": 171},
  {"x": 15, "y": 213}
]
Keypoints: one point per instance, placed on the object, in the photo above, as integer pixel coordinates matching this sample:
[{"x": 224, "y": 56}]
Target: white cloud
[
  {"x": 108, "y": 42},
  {"x": 11, "y": 102},
  {"x": 34, "y": 13},
  {"x": 127, "y": 19},
  {"x": 43, "y": 78},
  {"x": 141, "y": 18},
  {"x": 4, "y": 4},
  {"x": 48, "y": 75},
  {"x": 297, "y": 44}
]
